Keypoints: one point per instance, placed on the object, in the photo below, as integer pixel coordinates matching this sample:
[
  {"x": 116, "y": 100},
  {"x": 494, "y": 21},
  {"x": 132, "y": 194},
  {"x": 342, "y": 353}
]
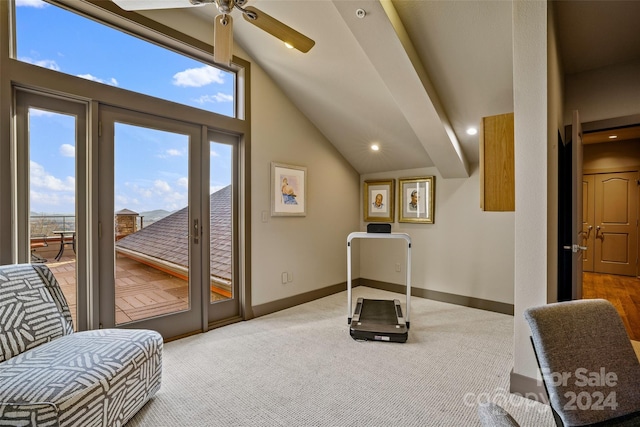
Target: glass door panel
[
  {"x": 50, "y": 131},
  {"x": 224, "y": 301},
  {"x": 220, "y": 212},
  {"x": 149, "y": 205},
  {"x": 52, "y": 195},
  {"x": 151, "y": 217}
]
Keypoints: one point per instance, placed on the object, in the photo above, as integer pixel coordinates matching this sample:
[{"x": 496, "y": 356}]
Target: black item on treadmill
[{"x": 378, "y": 228}]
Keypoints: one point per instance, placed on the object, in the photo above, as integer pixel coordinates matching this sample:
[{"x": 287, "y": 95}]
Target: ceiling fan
[{"x": 223, "y": 23}]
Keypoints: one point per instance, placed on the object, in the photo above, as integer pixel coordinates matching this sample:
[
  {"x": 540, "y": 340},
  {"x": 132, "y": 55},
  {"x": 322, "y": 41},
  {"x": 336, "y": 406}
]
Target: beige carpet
[{"x": 300, "y": 367}]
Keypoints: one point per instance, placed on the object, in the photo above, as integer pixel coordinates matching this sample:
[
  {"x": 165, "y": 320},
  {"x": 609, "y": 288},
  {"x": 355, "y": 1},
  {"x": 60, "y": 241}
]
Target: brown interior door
[
  {"x": 588, "y": 228},
  {"x": 616, "y": 223},
  {"x": 576, "y": 208}
]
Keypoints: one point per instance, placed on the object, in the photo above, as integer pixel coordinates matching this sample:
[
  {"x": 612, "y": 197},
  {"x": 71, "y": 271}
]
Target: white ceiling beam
[{"x": 384, "y": 40}]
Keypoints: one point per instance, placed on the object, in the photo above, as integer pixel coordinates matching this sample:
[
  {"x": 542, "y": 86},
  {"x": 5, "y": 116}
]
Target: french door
[
  {"x": 51, "y": 155},
  {"x": 167, "y": 234},
  {"x": 135, "y": 214}
]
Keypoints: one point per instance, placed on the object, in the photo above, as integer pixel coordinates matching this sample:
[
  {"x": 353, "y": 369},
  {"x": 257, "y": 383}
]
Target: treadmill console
[{"x": 378, "y": 228}]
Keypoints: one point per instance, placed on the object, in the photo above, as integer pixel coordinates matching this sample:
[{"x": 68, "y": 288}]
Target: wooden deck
[{"x": 141, "y": 291}]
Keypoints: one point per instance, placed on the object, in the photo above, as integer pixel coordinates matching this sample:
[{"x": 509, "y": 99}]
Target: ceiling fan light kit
[{"x": 223, "y": 23}]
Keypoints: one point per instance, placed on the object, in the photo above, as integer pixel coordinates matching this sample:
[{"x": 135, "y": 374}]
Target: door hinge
[
  {"x": 99, "y": 129},
  {"x": 574, "y": 248}
]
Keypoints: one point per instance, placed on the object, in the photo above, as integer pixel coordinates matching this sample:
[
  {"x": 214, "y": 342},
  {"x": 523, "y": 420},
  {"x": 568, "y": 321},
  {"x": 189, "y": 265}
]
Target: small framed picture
[
  {"x": 379, "y": 200},
  {"x": 288, "y": 190},
  {"x": 416, "y": 201}
]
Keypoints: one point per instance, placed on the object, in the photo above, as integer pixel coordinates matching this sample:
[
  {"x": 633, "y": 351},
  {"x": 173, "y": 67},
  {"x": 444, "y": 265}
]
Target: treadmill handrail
[{"x": 364, "y": 235}]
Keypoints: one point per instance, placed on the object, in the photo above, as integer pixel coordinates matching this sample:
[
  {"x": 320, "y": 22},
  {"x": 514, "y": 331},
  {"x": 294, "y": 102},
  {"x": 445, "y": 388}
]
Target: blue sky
[{"x": 56, "y": 39}]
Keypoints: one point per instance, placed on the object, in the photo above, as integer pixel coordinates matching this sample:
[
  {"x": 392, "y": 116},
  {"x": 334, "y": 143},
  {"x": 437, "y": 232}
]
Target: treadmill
[{"x": 374, "y": 319}]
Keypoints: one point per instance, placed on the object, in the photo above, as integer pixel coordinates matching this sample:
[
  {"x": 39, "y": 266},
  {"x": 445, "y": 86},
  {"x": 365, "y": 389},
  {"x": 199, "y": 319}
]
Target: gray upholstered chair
[
  {"x": 53, "y": 376},
  {"x": 589, "y": 368}
]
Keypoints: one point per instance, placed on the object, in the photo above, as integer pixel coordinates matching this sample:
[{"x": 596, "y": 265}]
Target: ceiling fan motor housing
[{"x": 225, "y": 6}]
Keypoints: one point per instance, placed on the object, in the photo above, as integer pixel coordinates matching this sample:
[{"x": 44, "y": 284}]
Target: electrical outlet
[{"x": 398, "y": 267}]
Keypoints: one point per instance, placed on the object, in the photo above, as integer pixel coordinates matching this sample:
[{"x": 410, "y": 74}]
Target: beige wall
[
  {"x": 313, "y": 248},
  {"x": 612, "y": 155},
  {"x": 465, "y": 252},
  {"x": 603, "y": 93}
]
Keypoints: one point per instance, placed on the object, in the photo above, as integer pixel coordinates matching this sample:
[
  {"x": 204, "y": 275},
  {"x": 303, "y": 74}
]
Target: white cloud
[
  {"x": 212, "y": 153},
  {"x": 174, "y": 152},
  {"x": 217, "y": 98},
  {"x": 161, "y": 186},
  {"x": 31, "y": 3},
  {"x": 68, "y": 150},
  {"x": 40, "y": 179},
  {"x": 175, "y": 200},
  {"x": 183, "y": 182},
  {"x": 198, "y": 77},
  {"x": 44, "y": 63},
  {"x": 112, "y": 81},
  {"x": 44, "y": 200}
]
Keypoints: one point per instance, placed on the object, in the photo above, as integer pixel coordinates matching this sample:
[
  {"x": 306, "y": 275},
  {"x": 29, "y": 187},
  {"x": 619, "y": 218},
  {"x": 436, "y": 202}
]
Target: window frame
[{"x": 16, "y": 74}]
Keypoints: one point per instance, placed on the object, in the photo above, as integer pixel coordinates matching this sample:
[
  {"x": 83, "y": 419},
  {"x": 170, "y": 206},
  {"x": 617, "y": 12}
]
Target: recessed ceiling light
[
  {"x": 613, "y": 136},
  {"x": 472, "y": 131},
  {"x": 375, "y": 147}
]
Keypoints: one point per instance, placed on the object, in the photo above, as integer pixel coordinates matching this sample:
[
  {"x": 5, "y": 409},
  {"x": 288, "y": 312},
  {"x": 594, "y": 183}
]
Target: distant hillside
[{"x": 153, "y": 216}]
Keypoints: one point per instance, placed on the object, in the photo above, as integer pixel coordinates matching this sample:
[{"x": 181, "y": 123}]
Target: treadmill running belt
[{"x": 378, "y": 311}]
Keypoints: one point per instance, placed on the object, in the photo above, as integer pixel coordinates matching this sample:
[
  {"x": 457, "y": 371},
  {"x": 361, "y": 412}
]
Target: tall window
[
  {"x": 54, "y": 38},
  {"x": 99, "y": 159}
]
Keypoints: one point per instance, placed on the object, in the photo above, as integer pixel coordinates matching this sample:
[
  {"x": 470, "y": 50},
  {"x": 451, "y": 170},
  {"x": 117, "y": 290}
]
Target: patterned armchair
[{"x": 51, "y": 376}]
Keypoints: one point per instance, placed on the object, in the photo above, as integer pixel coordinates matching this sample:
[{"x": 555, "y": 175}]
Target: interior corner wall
[
  {"x": 466, "y": 251},
  {"x": 530, "y": 73},
  {"x": 604, "y": 93},
  {"x": 312, "y": 248}
]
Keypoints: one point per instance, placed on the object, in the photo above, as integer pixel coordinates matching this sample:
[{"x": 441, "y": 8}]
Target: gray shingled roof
[{"x": 166, "y": 239}]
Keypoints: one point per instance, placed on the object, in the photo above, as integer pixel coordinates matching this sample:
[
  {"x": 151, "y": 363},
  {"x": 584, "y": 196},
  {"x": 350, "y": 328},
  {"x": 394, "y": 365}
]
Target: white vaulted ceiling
[{"x": 413, "y": 75}]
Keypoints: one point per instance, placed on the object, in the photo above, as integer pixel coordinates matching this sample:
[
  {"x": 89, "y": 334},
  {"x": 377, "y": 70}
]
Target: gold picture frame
[
  {"x": 416, "y": 201},
  {"x": 379, "y": 200}
]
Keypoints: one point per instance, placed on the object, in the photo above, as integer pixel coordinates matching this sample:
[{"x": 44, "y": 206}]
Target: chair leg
[{"x": 37, "y": 259}]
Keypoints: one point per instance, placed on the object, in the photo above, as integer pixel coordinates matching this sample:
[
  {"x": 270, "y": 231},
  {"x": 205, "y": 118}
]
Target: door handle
[
  {"x": 196, "y": 232},
  {"x": 598, "y": 234},
  {"x": 588, "y": 232}
]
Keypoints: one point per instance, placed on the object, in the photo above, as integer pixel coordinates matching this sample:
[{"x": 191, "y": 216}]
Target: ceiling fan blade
[
  {"x": 223, "y": 39},
  {"x": 154, "y": 4},
  {"x": 278, "y": 29}
]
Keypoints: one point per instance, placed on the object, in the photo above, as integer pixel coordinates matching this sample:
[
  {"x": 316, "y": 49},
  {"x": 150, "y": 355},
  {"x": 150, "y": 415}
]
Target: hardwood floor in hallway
[{"x": 622, "y": 291}]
